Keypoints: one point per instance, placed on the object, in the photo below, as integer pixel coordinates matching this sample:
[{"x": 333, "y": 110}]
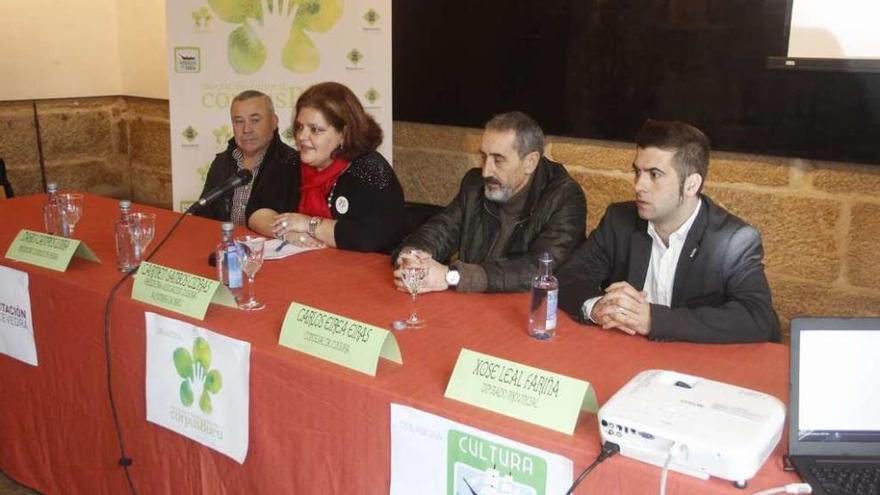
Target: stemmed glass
[
  {"x": 252, "y": 259},
  {"x": 143, "y": 229},
  {"x": 414, "y": 266},
  {"x": 71, "y": 209}
]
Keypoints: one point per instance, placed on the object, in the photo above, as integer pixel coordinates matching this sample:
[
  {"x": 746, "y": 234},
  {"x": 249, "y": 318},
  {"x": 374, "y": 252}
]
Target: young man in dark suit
[{"x": 671, "y": 265}]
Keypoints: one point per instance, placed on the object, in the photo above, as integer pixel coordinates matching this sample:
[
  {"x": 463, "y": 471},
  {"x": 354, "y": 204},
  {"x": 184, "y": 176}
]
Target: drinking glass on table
[
  {"x": 414, "y": 267},
  {"x": 143, "y": 229},
  {"x": 71, "y": 209},
  {"x": 251, "y": 261}
]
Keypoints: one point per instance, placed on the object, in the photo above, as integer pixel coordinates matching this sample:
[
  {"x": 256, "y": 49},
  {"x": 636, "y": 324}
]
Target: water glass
[
  {"x": 252, "y": 259},
  {"x": 71, "y": 205}
]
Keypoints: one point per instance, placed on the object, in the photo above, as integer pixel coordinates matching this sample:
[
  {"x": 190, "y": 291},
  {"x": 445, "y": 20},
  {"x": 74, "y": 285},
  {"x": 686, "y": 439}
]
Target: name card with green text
[
  {"x": 531, "y": 394},
  {"x": 179, "y": 291},
  {"x": 47, "y": 250},
  {"x": 337, "y": 339}
]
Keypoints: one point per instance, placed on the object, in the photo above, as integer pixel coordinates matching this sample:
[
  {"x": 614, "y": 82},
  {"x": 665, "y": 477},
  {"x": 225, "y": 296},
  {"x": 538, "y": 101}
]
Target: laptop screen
[{"x": 835, "y": 380}]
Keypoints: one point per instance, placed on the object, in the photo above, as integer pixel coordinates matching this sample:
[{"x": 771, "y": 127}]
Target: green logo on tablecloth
[
  {"x": 476, "y": 466},
  {"x": 261, "y": 22},
  {"x": 199, "y": 380}
]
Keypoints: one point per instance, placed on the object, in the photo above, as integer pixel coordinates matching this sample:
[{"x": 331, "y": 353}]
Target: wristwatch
[
  {"x": 452, "y": 278},
  {"x": 313, "y": 225}
]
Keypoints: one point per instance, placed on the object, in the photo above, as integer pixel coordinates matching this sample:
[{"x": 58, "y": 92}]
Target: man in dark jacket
[
  {"x": 256, "y": 146},
  {"x": 506, "y": 214},
  {"x": 671, "y": 265}
]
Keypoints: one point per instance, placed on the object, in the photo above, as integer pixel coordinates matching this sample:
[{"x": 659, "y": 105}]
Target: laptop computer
[{"x": 834, "y": 410}]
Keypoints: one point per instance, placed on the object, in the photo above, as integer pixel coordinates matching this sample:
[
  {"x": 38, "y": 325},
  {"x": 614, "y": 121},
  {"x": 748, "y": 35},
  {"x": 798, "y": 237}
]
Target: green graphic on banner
[
  {"x": 246, "y": 46},
  {"x": 477, "y": 465},
  {"x": 48, "y": 251},
  {"x": 199, "y": 380}
]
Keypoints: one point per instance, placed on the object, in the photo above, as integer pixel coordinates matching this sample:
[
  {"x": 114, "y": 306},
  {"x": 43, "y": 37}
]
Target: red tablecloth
[{"x": 314, "y": 427}]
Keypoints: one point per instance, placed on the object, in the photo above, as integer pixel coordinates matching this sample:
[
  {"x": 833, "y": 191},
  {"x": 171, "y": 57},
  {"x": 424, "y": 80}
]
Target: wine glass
[
  {"x": 414, "y": 267},
  {"x": 143, "y": 229},
  {"x": 71, "y": 209},
  {"x": 252, "y": 259}
]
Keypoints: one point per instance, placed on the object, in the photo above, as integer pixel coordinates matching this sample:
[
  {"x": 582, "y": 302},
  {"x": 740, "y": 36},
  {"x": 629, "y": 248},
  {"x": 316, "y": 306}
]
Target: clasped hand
[
  {"x": 294, "y": 228},
  {"x": 624, "y": 308}
]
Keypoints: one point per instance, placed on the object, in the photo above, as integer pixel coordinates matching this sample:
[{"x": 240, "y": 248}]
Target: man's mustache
[{"x": 491, "y": 181}]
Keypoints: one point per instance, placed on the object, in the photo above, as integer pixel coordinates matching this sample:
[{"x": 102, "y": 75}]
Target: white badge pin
[{"x": 342, "y": 204}]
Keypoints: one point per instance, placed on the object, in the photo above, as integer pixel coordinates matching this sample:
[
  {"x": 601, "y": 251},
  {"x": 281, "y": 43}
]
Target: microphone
[{"x": 240, "y": 178}]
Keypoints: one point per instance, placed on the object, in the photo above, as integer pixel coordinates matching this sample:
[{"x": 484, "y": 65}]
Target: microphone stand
[{"x": 124, "y": 460}]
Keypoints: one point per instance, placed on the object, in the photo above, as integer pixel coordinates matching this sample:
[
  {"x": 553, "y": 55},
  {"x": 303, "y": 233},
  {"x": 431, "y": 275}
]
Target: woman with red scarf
[{"x": 340, "y": 192}]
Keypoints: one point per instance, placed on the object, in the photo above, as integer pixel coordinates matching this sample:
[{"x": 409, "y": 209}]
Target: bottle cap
[
  {"x": 227, "y": 227},
  {"x": 51, "y": 186},
  {"x": 545, "y": 258},
  {"x": 125, "y": 204}
]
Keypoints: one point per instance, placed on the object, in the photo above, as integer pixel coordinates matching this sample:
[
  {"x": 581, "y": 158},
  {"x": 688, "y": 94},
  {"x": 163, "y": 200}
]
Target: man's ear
[
  {"x": 531, "y": 162},
  {"x": 275, "y": 121},
  {"x": 692, "y": 184}
]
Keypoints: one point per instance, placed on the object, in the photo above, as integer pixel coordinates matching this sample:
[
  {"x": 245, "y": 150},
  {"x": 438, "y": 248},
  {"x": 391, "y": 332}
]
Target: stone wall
[
  {"x": 820, "y": 221},
  {"x": 113, "y": 146}
]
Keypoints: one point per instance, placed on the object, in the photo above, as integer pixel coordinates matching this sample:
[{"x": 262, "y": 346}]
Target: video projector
[{"x": 709, "y": 428}]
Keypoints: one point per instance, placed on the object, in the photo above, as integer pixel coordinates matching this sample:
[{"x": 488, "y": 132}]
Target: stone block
[
  {"x": 91, "y": 176},
  {"x": 147, "y": 107},
  {"x": 601, "y": 189},
  {"x": 151, "y": 186},
  {"x": 75, "y": 134},
  {"x": 26, "y": 180},
  {"x": 847, "y": 179},
  {"x": 592, "y": 154},
  {"x": 18, "y": 138},
  {"x": 440, "y": 137},
  {"x": 72, "y": 105},
  {"x": 801, "y": 234},
  {"x": 863, "y": 257},
  {"x": 745, "y": 169},
  {"x": 150, "y": 144},
  {"x": 431, "y": 176},
  {"x": 796, "y": 298}
]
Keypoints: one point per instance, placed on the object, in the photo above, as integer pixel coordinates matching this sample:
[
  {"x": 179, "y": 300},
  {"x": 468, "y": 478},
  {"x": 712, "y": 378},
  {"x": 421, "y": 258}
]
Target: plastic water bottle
[
  {"x": 545, "y": 292},
  {"x": 52, "y": 216},
  {"x": 127, "y": 258},
  {"x": 229, "y": 257}
]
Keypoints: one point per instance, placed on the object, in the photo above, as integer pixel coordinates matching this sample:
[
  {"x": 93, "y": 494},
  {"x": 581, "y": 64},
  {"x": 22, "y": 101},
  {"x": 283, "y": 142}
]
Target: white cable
[
  {"x": 664, "y": 472},
  {"x": 677, "y": 450},
  {"x": 789, "y": 488}
]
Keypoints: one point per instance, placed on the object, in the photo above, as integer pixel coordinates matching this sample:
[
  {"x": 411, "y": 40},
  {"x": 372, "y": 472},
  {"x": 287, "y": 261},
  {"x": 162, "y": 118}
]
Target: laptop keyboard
[{"x": 848, "y": 479}]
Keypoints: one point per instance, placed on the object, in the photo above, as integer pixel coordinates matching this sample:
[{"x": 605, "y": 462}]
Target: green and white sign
[
  {"x": 337, "y": 339},
  {"x": 197, "y": 384},
  {"x": 47, "y": 251},
  {"x": 431, "y": 455},
  {"x": 217, "y": 49},
  {"x": 531, "y": 394},
  {"x": 179, "y": 291},
  {"x": 16, "y": 318}
]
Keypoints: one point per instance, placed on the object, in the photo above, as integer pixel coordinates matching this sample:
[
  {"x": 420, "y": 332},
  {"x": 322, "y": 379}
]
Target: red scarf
[{"x": 315, "y": 186}]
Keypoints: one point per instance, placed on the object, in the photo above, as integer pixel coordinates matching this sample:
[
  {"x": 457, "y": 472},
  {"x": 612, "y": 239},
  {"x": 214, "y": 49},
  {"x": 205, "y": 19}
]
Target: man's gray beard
[{"x": 498, "y": 195}]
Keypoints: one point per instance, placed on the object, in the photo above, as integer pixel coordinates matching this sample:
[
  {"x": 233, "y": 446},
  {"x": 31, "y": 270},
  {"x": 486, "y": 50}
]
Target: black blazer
[{"x": 720, "y": 293}]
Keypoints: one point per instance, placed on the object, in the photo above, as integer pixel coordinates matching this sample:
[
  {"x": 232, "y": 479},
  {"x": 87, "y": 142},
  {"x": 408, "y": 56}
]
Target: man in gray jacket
[{"x": 517, "y": 206}]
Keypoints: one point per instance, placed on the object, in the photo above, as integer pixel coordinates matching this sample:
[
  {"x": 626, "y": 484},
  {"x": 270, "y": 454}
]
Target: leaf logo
[
  {"x": 371, "y": 96},
  {"x": 291, "y": 20},
  {"x": 372, "y": 17},
  {"x": 222, "y": 135},
  {"x": 354, "y": 56},
  {"x": 202, "y": 18},
  {"x": 190, "y": 133},
  {"x": 199, "y": 380}
]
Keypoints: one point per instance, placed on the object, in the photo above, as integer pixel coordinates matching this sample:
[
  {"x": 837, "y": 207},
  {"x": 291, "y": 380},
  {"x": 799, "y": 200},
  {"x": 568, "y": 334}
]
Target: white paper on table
[
  {"x": 16, "y": 321},
  {"x": 431, "y": 455},
  {"x": 270, "y": 250},
  {"x": 197, "y": 384}
]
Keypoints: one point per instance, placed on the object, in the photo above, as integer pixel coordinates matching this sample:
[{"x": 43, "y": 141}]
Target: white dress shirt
[{"x": 661, "y": 268}]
